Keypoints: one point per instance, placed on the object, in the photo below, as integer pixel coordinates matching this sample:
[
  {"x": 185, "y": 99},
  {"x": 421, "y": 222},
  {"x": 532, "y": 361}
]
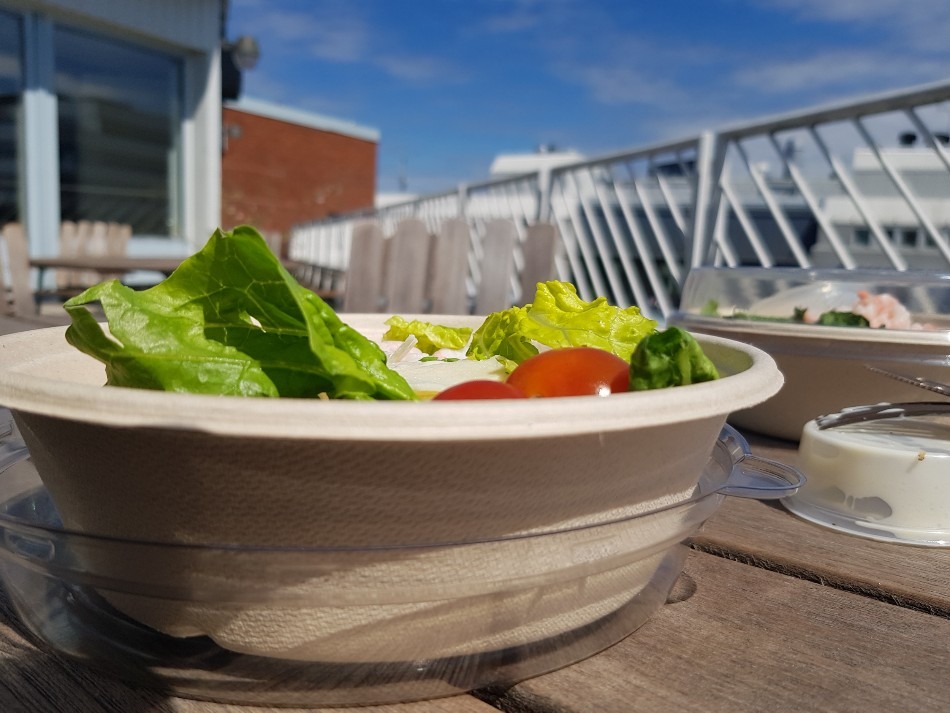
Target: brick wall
[{"x": 275, "y": 174}]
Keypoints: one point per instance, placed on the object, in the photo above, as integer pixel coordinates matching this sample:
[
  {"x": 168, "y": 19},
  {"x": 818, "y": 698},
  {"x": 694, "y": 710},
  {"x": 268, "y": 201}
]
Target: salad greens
[
  {"x": 832, "y": 318},
  {"x": 836, "y": 318},
  {"x": 669, "y": 358},
  {"x": 431, "y": 337},
  {"x": 230, "y": 320},
  {"x": 558, "y": 317}
]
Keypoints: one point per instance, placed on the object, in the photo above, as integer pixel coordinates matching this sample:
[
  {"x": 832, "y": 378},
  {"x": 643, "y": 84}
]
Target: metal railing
[{"x": 857, "y": 184}]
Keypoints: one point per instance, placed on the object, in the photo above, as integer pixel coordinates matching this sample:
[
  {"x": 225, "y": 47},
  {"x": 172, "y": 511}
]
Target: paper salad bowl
[
  {"x": 366, "y": 546},
  {"x": 823, "y": 366}
]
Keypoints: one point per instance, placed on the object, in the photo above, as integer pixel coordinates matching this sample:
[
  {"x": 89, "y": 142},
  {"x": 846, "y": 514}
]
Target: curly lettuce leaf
[
  {"x": 672, "y": 357},
  {"x": 231, "y": 321},
  {"x": 501, "y": 335},
  {"x": 558, "y": 317},
  {"x": 431, "y": 337}
]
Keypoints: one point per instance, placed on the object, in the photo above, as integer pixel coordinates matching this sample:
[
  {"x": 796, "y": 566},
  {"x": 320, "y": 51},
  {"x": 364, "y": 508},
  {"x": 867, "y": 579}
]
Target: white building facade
[{"x": 111, "y": 110}]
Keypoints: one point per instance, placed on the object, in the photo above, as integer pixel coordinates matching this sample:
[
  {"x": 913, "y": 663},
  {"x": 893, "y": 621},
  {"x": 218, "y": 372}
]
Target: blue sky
[{"x": 450, "y": 84}]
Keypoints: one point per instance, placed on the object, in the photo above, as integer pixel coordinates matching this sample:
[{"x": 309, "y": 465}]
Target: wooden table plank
[
  {"x": 108, "y": 263},
  {"x": 751, "y": 640},
  {"x": 767, "y": 535},
  {"x": 123, "y": 264}
]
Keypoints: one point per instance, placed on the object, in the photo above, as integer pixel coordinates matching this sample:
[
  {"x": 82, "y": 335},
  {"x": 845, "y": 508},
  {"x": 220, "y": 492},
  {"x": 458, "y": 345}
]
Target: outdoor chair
[{"x": 18, "y": 298}]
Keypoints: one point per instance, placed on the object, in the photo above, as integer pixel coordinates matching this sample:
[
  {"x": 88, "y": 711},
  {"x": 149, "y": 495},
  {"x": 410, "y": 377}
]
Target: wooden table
[
  {"x": 124, "y": 264},
  {"x": 116, "y": 264},
  {"x": 771, "y": 614}
]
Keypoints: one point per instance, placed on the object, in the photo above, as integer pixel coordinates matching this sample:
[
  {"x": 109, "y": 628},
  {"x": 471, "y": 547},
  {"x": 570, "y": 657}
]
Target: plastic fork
[
  {"x": 875, "y": 412},
  {"x": 929, "y": 384}
]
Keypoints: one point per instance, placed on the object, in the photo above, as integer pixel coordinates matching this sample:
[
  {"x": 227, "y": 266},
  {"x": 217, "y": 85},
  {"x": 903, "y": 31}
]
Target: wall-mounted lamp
[
  {"x": 245, "y": 52},
  {"x": 236, "y": 57}
]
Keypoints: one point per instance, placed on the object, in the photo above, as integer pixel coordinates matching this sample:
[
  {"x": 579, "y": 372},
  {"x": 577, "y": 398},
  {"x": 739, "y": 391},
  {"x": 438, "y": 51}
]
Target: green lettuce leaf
[
  {"x": 672, "y": 357},
  {"x": 230, "y": 320},
  {"x": 431, "y": 337},
  {"x": 835, "y": 318},
  {"x": 558, "y": 317}
]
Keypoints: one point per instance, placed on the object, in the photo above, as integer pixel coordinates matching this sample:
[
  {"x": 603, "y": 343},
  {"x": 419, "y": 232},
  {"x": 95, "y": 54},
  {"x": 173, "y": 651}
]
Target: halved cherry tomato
[
  {"x": 571, "y": 371},
  {"x": 479, "y": 389}
]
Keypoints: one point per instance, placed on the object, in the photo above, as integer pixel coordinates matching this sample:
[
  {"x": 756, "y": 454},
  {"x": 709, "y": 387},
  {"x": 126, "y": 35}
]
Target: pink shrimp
[{"x": 883, "y": 310}]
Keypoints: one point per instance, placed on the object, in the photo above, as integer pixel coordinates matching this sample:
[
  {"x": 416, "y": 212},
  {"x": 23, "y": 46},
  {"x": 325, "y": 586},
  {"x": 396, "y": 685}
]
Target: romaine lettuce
[{"x": 230, "y": 320}]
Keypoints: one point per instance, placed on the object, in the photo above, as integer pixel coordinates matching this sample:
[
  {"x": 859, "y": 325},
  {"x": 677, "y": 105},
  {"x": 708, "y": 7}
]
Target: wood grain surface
[
  {"x": 751, "y": 640},
  {"x": 767, "y": 535}
]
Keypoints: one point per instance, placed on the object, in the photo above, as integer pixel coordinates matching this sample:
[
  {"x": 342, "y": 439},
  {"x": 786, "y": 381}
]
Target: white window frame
[{"x": 196, "y": 199}]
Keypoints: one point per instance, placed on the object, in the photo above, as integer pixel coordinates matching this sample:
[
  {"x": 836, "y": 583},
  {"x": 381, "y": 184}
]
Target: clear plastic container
[
  {"x": 777, "y": 291},
  {"x": 379, "y": 624},
  {"x": 823, "y": 366}
]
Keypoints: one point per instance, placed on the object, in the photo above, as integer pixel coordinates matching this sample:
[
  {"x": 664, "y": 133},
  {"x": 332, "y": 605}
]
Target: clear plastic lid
[{"x": 758, "y": 292}]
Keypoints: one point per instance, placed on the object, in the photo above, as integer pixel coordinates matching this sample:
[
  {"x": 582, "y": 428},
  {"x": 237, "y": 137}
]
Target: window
[
  {"x": 11, "y": 87},
  {"x": 862, "y": 236},
  {"x": 119, "y": 114},
  {"x": 908, "y": 237}
]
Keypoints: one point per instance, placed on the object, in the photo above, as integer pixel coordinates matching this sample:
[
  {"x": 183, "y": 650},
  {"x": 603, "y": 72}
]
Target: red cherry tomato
[
  {"x": 479, "y": 389},
  {"x": 572, "y": 371}
]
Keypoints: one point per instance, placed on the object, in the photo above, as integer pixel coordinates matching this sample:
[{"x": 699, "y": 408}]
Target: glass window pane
[
  {"x": 11, "y": 86},
  {"x": 119, "y": 120}
]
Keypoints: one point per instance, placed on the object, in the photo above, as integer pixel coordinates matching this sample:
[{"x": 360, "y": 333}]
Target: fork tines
[{"x": 929, "y": 384}]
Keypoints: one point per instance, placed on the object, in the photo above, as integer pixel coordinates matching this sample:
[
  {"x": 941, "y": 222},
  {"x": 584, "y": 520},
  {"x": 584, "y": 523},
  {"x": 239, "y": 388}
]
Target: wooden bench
[
  {"x": 452, "y": 271},
  {"x": 87, "y": 238}
]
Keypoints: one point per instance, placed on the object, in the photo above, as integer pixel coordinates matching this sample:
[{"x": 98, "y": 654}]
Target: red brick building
[{"x": 281, "y": 166}]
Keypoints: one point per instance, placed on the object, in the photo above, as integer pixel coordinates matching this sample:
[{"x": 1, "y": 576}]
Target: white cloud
[
  {"x": 524, "y": 15},
  {"x": 837, "y": 69},
  {"x": 624, "y": 85},
  {"x": 342, "y": 37},
  {"x": 921, "y": 25},
  {"x": 334, "y": 31},
  {"x": 417, "y": 68}
]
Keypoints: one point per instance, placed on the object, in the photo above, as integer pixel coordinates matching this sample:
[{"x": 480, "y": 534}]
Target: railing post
[
  {"x": 709, "y": 159},
  {"x": 463, "y": 201},
  {"x": 544, "y": 195}
]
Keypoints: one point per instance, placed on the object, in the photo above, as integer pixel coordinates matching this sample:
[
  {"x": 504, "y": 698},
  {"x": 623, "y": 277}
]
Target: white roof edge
[
  {"x": 282, "y": 112},
  {"x": 529, "y": 162}
]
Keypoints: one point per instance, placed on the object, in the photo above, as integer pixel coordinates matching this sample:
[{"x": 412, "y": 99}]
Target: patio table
[
  {"x": 105, "y": 264},
  {"x": 119, "y": 263},
  {"x": 124, "y": 264},
  {"x": 770, "y": 613}
]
